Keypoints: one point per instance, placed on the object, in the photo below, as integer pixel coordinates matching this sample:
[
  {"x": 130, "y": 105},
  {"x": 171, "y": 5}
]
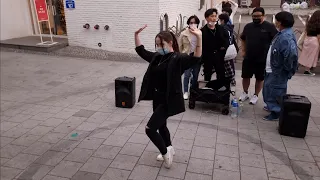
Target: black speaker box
[
  {"x": 125, "y": 92},
  {"x": 294, "y": 116}
]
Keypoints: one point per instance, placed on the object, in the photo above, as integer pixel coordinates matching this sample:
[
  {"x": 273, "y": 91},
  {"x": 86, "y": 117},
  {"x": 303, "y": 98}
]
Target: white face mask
[
  {"x": 193, "y": 26},
  {"x": 212, "y": 23}
]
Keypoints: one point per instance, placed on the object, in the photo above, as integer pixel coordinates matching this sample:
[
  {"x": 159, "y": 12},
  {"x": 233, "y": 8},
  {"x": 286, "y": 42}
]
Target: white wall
[
  {"x": 15, "y": 19},
  {"x": 123, "y": 16},
  {"x": 184, "y": 7}
]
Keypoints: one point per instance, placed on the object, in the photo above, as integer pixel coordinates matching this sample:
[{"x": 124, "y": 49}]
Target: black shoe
[{"x": 308, "y": 73}]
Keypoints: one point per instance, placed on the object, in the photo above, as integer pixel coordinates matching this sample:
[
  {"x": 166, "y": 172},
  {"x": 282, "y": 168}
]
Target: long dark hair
[
  {"x": 168, "y": 36},
  {"x": 313, "y": 25}
]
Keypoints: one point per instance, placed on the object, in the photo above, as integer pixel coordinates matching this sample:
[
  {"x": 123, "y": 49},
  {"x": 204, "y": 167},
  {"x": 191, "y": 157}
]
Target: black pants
[
  {"x": 216, "y": 61},
  {"x": 158, "y": 121}
]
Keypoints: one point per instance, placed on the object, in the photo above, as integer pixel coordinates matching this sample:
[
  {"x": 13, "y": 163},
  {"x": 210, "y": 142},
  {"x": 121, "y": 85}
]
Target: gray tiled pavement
[{"x": 58, "y": 122}]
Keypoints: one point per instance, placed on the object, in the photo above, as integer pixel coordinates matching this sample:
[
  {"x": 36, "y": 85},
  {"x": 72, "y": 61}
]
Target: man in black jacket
[{"x": 215, "y": 42}]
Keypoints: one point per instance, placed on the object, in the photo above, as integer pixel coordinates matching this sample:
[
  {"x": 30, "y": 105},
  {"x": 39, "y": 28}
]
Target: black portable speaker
[
  {"x": 294, "y": 116},
  {"x": 125, "y": 91}
]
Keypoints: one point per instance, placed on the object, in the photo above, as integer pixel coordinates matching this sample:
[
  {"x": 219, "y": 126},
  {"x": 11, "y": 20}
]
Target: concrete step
[{"x": 31, "y": 43}]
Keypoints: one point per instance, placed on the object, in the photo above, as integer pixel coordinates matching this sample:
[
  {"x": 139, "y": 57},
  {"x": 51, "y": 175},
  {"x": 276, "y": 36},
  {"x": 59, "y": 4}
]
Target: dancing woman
[{"x": 162, "y": 85}]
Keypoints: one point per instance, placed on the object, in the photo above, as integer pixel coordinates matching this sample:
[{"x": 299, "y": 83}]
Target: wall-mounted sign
[
  {"x": 70, "y": 4},
  {"x": 41, "y": 7}
]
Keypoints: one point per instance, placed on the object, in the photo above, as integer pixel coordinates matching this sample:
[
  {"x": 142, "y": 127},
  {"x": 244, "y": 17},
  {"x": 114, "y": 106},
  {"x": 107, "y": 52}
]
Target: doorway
[{"x": 56, "y": 18}]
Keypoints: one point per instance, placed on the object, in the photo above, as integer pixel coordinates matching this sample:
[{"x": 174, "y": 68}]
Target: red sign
[{"x": 41, "y": 8}]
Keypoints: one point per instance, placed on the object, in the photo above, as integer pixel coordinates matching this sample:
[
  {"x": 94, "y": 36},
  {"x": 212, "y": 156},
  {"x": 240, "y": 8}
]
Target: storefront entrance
[{"x": 56, "y": 18}]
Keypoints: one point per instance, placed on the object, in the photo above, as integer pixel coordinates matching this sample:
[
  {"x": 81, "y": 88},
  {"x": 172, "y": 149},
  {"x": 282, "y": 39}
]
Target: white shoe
[
  {"x": 254, "y": 100},
  {"x": 160, "y": 158},
  {"x": 244, "y": 96},
  {"x": 186, "y": 96},
  {"x": 223, "y": 88},
  {"x": 168, "y": 158}
]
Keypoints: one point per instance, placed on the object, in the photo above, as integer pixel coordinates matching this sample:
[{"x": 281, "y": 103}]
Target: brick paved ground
[{"x": 58, "y": 122}]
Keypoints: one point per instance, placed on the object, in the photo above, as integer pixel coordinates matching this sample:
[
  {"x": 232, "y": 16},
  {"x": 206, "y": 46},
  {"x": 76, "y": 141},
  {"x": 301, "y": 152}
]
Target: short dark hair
[
  {"x": 259, "y": 9},
  {"x": 224, "y": 17},
  {"x": 285, "y": 18},
  {"x": 209, "y": 12},
  {"x": 195, "y": 18},
  {"x": 228, "y": 10},
  {"x": 226, "y": 4}
]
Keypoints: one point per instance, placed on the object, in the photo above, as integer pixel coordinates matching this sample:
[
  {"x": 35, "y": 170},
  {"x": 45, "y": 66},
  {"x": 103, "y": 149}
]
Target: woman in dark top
[
  {"x": 311, "y": 48},
  {"x": 162, "y": 85}
]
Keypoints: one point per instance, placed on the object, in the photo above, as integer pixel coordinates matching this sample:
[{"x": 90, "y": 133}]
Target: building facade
[
  {"x": 117, "y": 20},
  {"x": 274, "y": 3},
  {"x": 121, "y": 17}
]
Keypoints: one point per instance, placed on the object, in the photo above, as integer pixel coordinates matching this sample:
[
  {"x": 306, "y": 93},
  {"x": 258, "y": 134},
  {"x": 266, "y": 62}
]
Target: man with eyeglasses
[{"x": 256, "y": 39}]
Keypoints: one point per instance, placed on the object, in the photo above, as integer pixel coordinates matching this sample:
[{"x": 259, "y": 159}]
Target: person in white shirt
[
  {"x": 187, "y": 44},
  {"x": 229, "y": 7}
]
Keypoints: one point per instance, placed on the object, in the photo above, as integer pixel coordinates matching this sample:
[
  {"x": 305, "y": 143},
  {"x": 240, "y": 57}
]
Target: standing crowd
[{"x": 269, "y": 51}]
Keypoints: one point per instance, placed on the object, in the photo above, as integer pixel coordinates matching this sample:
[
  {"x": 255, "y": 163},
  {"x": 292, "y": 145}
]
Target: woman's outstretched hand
[
  {"x": 136, "y": 36},
  {"x": 196, "y": 31},
  {"x": 140, "y": 30}
]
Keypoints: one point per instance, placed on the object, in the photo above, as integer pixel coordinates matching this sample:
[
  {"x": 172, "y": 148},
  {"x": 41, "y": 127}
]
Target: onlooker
[
  {"x": 228, "y": 6},
  {"x": 187, "y": 44},
  {"x": 215, "y": 44},
  {"x": 256, "y": 39},
  {"x": 231, "y": 51},
  {"x": 310, "y": 47},
  {"x": 281, "y": 65}
]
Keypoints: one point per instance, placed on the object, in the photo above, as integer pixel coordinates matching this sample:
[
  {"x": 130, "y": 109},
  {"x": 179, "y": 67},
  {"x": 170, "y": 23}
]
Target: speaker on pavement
[
  {"x": 294, "y": 116},
  {"x": 125, "y": 92}
]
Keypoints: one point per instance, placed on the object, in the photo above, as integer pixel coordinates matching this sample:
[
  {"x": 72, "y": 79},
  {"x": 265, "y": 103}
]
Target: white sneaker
[
  {"x": 223, "y": 88},
  {"x": 254, "y": 100},
  {"x": 186, "y": 96},
  {"x": 244, "y": 96},
  {"x": 168, "y": 158},
  {"x": 160, "y": 158}
]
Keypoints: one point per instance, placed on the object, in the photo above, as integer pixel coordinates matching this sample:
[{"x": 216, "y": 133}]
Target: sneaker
[
  {"x": 266, "y": 108},
  {"x": 160, "y": 158},
  {"x": 186, "y": 96},
  {"x": 168, "y": 158},
  {"x": 233, "y": 83},
  {"x": 223, "y": 88},
  {"x": 271, "y": 117},
  {"x": 244, "y": 96},
  {"x": 254, "y": 100},
  {"x": 309, "y": 73}
]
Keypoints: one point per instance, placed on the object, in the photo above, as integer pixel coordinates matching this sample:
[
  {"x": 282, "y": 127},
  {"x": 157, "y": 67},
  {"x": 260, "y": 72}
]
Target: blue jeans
[
  {"x": 274, "y": 87},
  {"x": 194, "y": 71}
]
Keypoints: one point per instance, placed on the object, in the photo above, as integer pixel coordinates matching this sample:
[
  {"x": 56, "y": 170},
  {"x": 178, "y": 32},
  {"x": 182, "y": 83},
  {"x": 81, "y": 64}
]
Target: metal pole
[
  {"x": 34, "y": 4},
  {"x": 239, "y": 29},
  {"x": 49, "y": 22}
]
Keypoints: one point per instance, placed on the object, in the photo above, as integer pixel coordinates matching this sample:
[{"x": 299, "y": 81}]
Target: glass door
[{"x": 56, "y": 18}]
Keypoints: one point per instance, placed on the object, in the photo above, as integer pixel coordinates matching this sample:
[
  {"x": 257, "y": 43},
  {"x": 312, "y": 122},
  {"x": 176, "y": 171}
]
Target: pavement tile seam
[{"x": 197, "y": 121}]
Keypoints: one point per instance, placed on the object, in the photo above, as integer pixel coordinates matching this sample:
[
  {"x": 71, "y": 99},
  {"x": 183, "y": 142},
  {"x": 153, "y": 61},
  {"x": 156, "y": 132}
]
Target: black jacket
[
  {"x": 229, "y": 28},
  {"x": 213, "y": 42},
  {"x": 178, "y": 63}
]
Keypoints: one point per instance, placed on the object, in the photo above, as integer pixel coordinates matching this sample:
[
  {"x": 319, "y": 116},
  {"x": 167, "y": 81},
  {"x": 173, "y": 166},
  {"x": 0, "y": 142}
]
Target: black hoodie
[{"x": 213, "y": 40}]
